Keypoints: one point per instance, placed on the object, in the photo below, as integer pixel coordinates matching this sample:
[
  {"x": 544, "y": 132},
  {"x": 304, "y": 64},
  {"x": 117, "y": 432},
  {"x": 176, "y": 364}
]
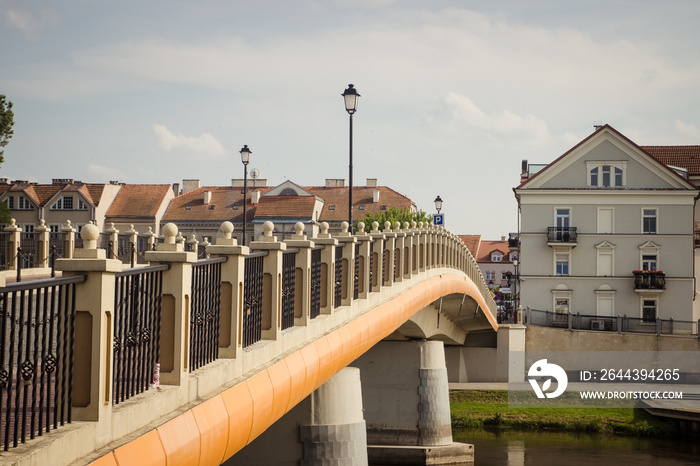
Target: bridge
[{"x": 308, "y": 350}]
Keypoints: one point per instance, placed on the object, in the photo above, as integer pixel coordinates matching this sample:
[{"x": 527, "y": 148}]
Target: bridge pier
[
  {"x": 406, "y": 398},
  {"x": 326, "y": 428}
]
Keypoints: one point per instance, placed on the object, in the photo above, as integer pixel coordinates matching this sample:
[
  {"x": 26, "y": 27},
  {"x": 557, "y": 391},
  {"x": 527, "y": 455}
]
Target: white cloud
[
  {"x": 29, "y": 22},
  {"x": 204, "y": 144}
]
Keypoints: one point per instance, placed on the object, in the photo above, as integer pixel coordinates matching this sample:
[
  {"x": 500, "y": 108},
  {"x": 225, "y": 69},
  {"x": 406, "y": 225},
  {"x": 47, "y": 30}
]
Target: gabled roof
[
  {"x": 687, "y": 157},
  {"x": 43, "y": 194},
  {"x": 472, "y": 243},
  {"x": 487, "y": 248},
  {"x": 601, "y": 132},
  {"x": 226, "y": 204},
  {"x": 295, "y": 207},
  {"x": 335, "y": 207},
  {"x": 138, "y": 200}
]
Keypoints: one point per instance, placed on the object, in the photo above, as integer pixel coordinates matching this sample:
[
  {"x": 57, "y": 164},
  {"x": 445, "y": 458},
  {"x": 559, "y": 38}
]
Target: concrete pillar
[
  {"x": 364, "y": 258},
  {"x": 325, "y": 428},
  {"x": 302, "y": 266},
  {"x": 327, "y": 268},
  {"x": 510, "y": 353},
  {"x": 390, "y": 246},
  {"x": 407, "y": 409},
  {"x": 337, "y": 432},
  {"x": 377, "y": 251},
  {"x": 69, "y": 241},
  {"x": 42, "y": 244},
  {"x": 399, "y": 254},
  {"x": 347, "y": 241},
  {"x": 272, "y": 279},
  {"x": 13, "y": 243}
]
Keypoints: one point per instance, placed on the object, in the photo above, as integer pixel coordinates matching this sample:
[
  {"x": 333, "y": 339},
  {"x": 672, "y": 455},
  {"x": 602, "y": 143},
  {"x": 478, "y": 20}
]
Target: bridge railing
[{"x": 182, "y": 313}]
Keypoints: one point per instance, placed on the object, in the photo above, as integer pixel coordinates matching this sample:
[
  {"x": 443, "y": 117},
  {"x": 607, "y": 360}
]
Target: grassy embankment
[{"x": 479, "y": 409}]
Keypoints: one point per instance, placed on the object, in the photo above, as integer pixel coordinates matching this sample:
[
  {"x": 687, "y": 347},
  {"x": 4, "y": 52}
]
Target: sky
[{"x": 454, "y": 94}]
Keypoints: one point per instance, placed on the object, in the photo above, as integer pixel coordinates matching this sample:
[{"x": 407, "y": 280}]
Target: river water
[{"x": 513, "y": 448}]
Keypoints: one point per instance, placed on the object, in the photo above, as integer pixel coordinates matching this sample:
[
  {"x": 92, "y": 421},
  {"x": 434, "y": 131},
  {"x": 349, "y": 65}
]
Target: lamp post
[
  {"x": 438, "y": 204},
  {"x": 245, "y": 158},
  {"x": 515, "y": 285},
  {"x": 351, "y": 97}
]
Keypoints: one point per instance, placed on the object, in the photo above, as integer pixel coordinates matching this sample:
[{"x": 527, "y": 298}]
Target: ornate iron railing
[
  {"x": 29, "y": 250},
  {"x": 288, "y": 287},
  {"x": 649, "y": 280},
  {"x": 338, "y": 279},
  {"x": 252, "y": 301},
  {"x": 37, "y": 332},
  {"x": 315, "y": 285},
  {"x": 562, "y": 235},
  {"x": 137, "y": 323},
  {"x": 205, "y": 313},
  {"x": 356, "y": 273}
]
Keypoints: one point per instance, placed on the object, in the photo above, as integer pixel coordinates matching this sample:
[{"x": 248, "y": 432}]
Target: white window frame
[
  {"x": 10, "y": 201},
  {"x": 560, "y": 252},
  {"x": 650, "y": 249},
  {"x": 599, "y": 164},
  {"x": 655, "y": 299},
  {"x": 60, "y": 204},
  {"x": 568, "y": 216},
  {"x": 605, "y": 295},
  {"x": 656, "y": 218},
  {"x": 496, "y": 257},
  {"x": 23, "y": 203},
  {"x": 82, "y": 205}
]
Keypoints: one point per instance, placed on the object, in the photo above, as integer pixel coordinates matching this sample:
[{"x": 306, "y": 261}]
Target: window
[
  {"x": 561, "y": 305},
  {"x": 649, "y": 262},
  {"x": 648, "y": 310},
  {"x": 331, "y": 207},
  {"x": 606, "y": 174},
  {"x": 561, "y": 267},
  {"x": 490, "y": 275},
  {"x": 361, "y": 207},
  {"x": 64, "y": 203},
  {"x": 23, "y": 203},
  {"x": 649, "y": 221},
  {"x": 563, "y": 218},
  {"x": 496, "y": 257},
  {"x": 82, "y": 205},
  {"x": 10, "y": 202}
]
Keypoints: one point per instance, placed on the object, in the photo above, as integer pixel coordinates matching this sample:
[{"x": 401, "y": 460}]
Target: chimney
[
  {"x": 176, "y": 189},
  {"x": 524, "y": 175},
  {"x": 503, "y": 238},
  {"x": 335, "y": 182},
  {"x": 375, "y": 196},
  {"x": 255, "y": 197},
  {"x": 189, "y": 185},
  {"x": 207, "y": 197},
  {"x": 371, "y": 182}
]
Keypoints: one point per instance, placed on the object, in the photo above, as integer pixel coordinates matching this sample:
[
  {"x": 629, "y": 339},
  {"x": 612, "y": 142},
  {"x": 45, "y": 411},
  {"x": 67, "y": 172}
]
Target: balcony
[
  {"x": 513, "y": 241},
  {"x": 561, "y": 236},
  {"x": 649, "y": 281}
]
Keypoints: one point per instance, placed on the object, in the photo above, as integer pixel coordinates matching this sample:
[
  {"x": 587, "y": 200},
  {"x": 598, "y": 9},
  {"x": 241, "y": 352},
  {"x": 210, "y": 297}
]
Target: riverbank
[{"x": 475, "y": 409}]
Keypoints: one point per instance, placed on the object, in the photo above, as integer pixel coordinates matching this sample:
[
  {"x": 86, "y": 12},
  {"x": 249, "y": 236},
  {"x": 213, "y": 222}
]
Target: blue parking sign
[{"x": 439, "y": 219}]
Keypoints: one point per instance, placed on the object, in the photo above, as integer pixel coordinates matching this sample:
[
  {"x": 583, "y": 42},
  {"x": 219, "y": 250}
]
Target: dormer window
[
  {"x": 23, "y": 203},
  {"x": 64, "y": 203},
  {"x": 82, "y": 205},
  {"x": 606, "y": 174},
  {"x": 496, "y": 257}
]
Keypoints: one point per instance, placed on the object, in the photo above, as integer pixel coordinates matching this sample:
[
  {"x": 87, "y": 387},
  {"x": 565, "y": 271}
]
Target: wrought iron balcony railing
[
  {"x": 561, "y": 235},
  {"x": 513, "y": 240},
  {"x": 649, "y": 280}
]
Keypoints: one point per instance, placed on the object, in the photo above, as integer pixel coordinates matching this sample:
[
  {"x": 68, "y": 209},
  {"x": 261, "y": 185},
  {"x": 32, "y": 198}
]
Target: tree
[
  {"x": 7, "y": 120},
  {"x": 393, "y": 215}
]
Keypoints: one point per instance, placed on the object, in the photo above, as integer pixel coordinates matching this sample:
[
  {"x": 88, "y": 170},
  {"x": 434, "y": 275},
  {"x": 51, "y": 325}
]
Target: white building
[{"x": 606, "y": 229}]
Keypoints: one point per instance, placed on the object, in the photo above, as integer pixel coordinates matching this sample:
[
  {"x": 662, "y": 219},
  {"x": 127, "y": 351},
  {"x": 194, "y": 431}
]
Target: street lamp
[
  {"x": 515, "y": 285},
  {"x": 245, "y": 158},
  {"x": 351, "y": 97},
  {"x": 438, "y": 204}
]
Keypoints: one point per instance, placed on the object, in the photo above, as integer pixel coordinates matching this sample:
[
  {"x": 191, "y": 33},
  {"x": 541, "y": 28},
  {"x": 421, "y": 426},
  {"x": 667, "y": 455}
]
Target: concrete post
[
  {"x": 410, "y": 249},
  {"x": 302, "y": 265},
  {"x": 175, "y": 317},
  {"x": 406, "y": 399},
  {"x": 347, "y": 240},
  {"x": 377, "y": 250},
  {"x": 13, "y": 243},
  {"x": 94, "y": 306},
  {"x": 422, "y": 244},
  {"x": 327, "y": 267},
  {"x": 191, "y": 244},
  {"x": 337, "y": 433},
  {"x": 272, "y": 281},
  {"x": 232, "y": 273},
  {"x": 364, "y": 258},
  {"x": 114, "y": 240},
  {"x": 42, "y": 244},
  {"x": 133, "y": 238},
  {"x": 69, "y": 240}
]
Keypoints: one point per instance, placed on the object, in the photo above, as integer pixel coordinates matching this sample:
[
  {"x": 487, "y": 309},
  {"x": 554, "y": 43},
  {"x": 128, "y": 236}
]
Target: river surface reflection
[{"x": 513, "y": 448}]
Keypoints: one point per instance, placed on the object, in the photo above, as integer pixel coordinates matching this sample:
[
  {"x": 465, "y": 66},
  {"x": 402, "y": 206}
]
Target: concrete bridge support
[
  {"x": 326, "y": 428},
  {"x": 406, "y": 399}
]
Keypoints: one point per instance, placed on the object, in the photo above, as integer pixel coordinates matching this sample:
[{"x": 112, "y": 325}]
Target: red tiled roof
[
  {"x": 361, "y": 196},
  {"x": 138, "y": 200},
  {"x": 687, "y": 157},
  {"x": 285, "y": 206},
  {"x": 190, "y": 206},
  {"x": 472, "y": 243},
  {"x": 486, "y": 248}
]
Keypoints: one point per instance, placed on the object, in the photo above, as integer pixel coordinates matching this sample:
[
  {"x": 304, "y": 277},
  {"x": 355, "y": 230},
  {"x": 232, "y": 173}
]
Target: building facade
[{"x": 606, "y": 229}]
